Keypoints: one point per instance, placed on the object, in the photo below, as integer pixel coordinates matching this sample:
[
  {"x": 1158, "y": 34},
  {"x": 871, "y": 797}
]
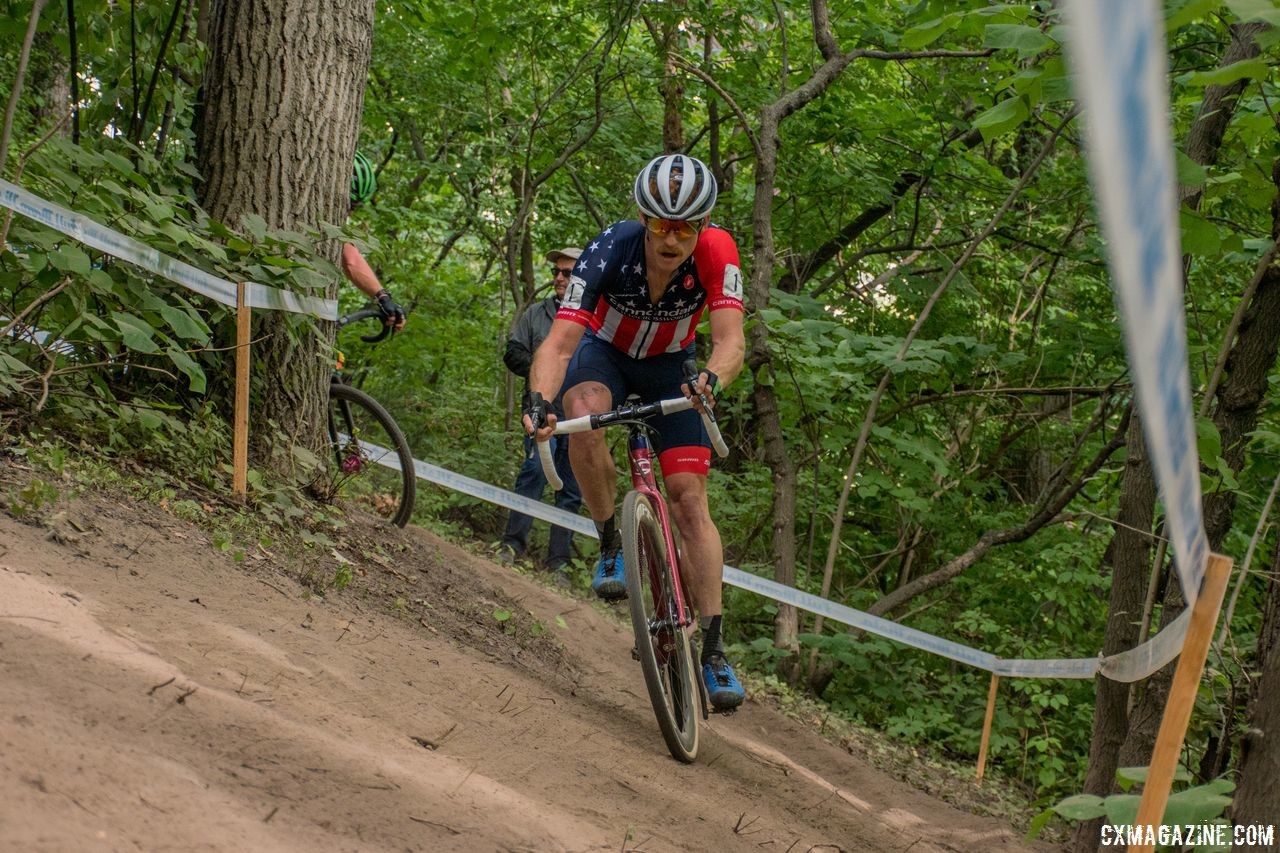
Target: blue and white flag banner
[
  {"x": 1118, "y": 54},
  {"x": 128, "y": 249}
]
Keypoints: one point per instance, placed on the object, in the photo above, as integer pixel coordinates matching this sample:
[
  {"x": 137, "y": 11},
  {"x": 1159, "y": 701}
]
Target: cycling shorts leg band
[{"x": 685, "y": 460}]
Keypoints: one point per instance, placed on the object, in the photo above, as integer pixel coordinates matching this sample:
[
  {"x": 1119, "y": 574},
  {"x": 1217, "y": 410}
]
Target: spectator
[{"x": 530, "y": 330}]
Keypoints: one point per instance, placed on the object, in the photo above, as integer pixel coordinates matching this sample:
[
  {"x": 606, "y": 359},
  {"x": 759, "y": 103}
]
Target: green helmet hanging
[{"x": 364, "y": 183}]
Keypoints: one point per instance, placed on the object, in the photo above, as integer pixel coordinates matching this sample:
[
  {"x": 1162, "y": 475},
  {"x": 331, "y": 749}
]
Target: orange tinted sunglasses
[{"x": 682, "y": 228}]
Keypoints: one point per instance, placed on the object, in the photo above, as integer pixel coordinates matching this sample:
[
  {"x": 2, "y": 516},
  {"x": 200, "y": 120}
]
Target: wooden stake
[
  {"x": 986, "y": 726},
  {"x": 240, "y": 450},
  {"x": 1182, "y": 698}
]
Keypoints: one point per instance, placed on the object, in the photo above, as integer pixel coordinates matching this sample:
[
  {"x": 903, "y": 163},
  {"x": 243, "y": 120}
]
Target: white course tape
[
  {"x": 1132, "y": 665},
  {"x": 1118, "y": 52},
  {"x": 128, "y": 249}
]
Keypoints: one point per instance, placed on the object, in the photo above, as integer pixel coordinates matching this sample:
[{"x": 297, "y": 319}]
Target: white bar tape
[
  {"x": 128, "y": 249},
  {"x": 548, "y": 462},
  {"x": 1131, "y": 665},
  {"x": 1121, "y": 72}
]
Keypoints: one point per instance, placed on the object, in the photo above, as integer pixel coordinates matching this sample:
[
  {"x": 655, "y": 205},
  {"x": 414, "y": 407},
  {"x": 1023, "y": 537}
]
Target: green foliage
[
  {"x": 527, "y": 138},
  {"x": 31, "y": 498},
  {"x": 342, "y": 576},
  {"x": 1196, "y": 805}
]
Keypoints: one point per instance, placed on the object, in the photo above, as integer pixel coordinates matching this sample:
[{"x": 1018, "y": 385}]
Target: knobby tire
[
  {"x": 353, "y": 412},
  {"x": 664, "y": 648}
]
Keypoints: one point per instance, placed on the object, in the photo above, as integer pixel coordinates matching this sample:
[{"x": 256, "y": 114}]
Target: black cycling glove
[
  {"x": 713, "y": 382},
  {"x": 536, "y": 408},
  {"x": 392, "y": 313}
]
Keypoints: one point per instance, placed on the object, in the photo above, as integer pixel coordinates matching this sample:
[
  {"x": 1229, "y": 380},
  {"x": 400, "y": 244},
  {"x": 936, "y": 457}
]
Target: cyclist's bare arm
[
  {"x": 728, "y": 348},
  {"x": 550, "y": 363},
  {"x": 362, "y": 276},
  {"x": 358, "y": 270}
]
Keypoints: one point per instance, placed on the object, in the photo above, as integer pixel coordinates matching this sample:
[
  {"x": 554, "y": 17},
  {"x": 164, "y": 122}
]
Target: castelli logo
[{"x": 688, "y": 282}]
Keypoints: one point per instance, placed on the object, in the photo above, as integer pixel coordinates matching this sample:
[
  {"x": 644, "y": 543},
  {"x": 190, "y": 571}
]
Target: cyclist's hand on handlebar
[
  {"x": 392, "y": 314},
  {"x": 539, "y": 419},
  {"x": 705, "y": 386}
]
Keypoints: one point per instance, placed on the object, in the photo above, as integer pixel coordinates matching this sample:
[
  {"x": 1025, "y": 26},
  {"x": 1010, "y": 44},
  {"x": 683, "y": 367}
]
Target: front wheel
[
  {"x": 662, "y": 645},
  {"x": 374, "y": 465}
]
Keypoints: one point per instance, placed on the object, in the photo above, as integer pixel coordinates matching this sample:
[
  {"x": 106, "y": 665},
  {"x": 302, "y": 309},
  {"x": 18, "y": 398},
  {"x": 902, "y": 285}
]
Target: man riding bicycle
[
  {"x": 364, "y": 183},
  {"x": 627, "y": 325}
]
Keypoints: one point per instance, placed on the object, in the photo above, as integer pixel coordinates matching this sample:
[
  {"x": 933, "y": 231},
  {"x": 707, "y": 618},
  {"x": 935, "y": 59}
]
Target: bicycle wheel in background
[
  {"x": 662, "y": 646},
  {"x": 357, "y": 421}
]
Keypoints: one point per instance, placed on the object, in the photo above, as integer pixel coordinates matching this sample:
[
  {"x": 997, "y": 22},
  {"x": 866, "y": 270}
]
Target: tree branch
[
  {"x": 24, "y": 54},
  {"x": 992, "y": 538},
  {"x": 869, "y": 421},
  {"x": 725, "y": 96}
]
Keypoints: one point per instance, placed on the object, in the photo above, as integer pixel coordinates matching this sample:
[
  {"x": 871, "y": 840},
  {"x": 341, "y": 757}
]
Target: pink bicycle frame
[{"x": 643, "y": 480}]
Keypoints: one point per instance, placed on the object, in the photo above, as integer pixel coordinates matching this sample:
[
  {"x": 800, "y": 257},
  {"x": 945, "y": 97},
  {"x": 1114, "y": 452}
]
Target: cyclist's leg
[
  {"x": 684, "y": 453},
  {"x": 592, "y": 382},
  {"x": 702, "y": 567},
  {"x": 685, "y": 460},
  {"x": 701, "y": 551}
]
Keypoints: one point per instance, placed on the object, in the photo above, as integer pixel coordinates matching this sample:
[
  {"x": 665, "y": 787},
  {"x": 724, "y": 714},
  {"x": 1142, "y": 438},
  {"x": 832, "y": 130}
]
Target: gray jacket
[{"x": 531, "y": 330}]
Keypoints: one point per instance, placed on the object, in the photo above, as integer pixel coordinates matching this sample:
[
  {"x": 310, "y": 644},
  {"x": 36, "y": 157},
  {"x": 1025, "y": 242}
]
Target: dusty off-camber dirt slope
[{"x": 155, "y": 695}]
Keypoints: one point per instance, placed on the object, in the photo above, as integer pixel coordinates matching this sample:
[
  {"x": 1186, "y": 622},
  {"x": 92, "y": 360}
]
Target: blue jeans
[{"x": 530, "y": 483}]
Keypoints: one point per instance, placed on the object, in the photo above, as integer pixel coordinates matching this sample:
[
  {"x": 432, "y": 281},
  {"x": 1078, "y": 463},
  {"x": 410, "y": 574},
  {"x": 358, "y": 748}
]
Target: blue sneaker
[
  {"x": 609, "y": 582},
  {"x": 723, "y": 688}
]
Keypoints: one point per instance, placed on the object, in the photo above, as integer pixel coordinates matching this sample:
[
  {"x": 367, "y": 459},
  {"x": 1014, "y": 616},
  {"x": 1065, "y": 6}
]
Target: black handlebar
[{"x": 365, "y": 314}]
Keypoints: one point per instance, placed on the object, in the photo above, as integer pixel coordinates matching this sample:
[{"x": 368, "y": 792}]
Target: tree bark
[
  {"x": 50, "y": 83},
  {"x": 1219, "y": 104},
  {"x": 280, "y": 111},
  {"x": 764, "y": 396},
  {"x": 1129, "y": 556},
  {"x": 1257, "y": 798}
]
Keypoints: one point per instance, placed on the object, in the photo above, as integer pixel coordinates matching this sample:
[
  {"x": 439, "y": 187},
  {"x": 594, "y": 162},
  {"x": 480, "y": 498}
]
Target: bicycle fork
[{"x": 644, "y": 481}]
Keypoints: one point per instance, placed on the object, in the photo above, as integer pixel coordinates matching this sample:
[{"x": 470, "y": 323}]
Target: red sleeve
[{"x": 716, "y": 257}]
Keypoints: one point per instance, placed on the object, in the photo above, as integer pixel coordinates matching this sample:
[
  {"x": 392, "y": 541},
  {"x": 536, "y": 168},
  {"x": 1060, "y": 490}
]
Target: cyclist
[
  {"x": 363, "y": 185},
  {"x": 627, "y": 325}
]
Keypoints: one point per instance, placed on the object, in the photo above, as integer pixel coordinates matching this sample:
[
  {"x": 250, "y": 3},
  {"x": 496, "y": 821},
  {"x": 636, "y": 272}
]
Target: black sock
[
  {"x": 609, "y": 535},
  {"x": 711, "y": 646}
]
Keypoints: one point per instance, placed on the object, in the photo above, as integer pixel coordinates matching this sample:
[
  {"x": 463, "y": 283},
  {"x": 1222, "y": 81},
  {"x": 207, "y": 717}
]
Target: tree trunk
[
  {"x": 1240, "y": 395},
  {"x": 281, "y": 102},
  {"x": 1257, "y": 798},
  {"x": 51, "y": 85},
  {"x": 765, "y": 399},
  {"x": 1129, "y": 556}
]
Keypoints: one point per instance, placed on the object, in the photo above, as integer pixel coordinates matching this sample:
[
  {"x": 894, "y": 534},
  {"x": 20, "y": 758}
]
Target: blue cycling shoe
[
  {"x": 723, "y": 688},
  {"x": 609, "y": 582}
]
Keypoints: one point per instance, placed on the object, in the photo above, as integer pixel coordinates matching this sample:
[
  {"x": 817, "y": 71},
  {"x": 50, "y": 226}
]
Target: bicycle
[
  {"x": 660, "y": 614},
  {"x": 373, "y": 458}
]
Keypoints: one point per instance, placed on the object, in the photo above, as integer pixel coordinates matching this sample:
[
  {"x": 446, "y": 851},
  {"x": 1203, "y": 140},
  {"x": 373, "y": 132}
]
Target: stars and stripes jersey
[{"x": 609, "y": 293}]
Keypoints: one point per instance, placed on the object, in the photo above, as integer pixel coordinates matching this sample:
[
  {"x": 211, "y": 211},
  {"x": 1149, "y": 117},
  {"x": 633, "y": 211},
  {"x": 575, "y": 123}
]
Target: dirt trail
[{"x": 155, "y": 696}]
